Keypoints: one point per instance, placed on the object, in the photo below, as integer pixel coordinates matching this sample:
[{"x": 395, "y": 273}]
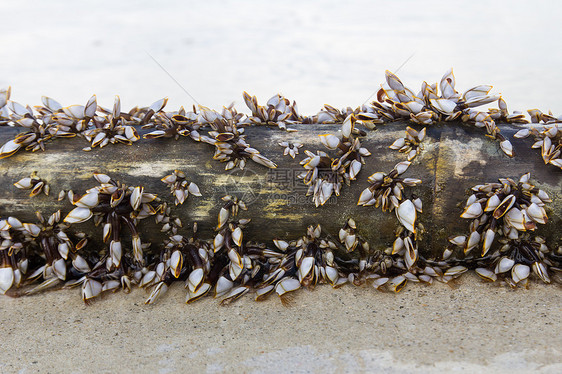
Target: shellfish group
[{"x": 502, "y": 243}]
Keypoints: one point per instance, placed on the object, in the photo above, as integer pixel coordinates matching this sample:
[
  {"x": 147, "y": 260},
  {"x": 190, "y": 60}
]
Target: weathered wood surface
[{"x": 455, "y": 157}]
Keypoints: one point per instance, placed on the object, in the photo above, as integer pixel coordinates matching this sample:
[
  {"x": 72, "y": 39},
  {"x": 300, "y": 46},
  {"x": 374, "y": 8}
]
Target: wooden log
[{"x": 454, "y": 158}]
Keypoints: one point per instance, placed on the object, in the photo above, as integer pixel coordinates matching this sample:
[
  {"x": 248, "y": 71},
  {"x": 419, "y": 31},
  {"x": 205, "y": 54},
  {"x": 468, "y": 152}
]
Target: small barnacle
[
  {"x": 386, "y": 189},
  {"x": 410, "y": 143},
  {"x": 33, "y": 183},
  {"x": 180, "y": 187},
  {"x": 291, "y": 149}
]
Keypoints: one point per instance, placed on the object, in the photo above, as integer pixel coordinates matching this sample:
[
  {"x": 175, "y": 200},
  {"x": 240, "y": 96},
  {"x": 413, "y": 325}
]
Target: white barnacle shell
[
  {"x": 412, "y": 181},
  {"x": 492, "y": 203},
  {"x": 59, "y": 268},
  {"x": 32, "y": 229},
  {"x": 287, "y": 285},
  {"x": 306, "y": 266},
  {"x": 522, "y": 133},
  {"x": 136, "y": 197},
  {"x": 159, "y": 105},
  {"x": 281, "y": 244},
  {"x": 218, "y": 242},
  {"x": 115, "y": 252},
  {"x": 330, "y": 141},
  {"x": 505, "y": 264},
  {"x": 537, "y": 213},
  {"x": 131, "y": 134},
  {"x": 237, "y": 236},
  {"x": 78, "y": 215},
  {"x": 520, "y": 272},
  {"x": 80, "y": 264},
  {"x": 347, "y": 126},
  {"x": 195, "y": 279},
  {"x": 379, "y": 282},
  {"x": 515, "y": 218},
  {"x": 9, "y": 148},
  {"x": 194, "y": 189},
  {"x": 486, "y": 274},
  {"x": 89, "y": 200},
  {"x": 444, "y": 106},
  {"x": 556, "y": 162},
  {"x": 102, "y": 178},
  {"x": 472, "y": 241},
  {"x": 63, "y": 249},
  {"x": 91, "y": 107},
  {"x": 393, "y": 81},
  {"x": 406, "y": 214},
  {"x": 488, "y": 240},
  {"x": 459, "y": 240},
  {"x": 24, "y": 183},
  {"x": 397, "y": 283},
  {"x": 90, "y": 289},
  {"x": 401, "y": 167},
  {"x": 354, "y": 169},
  {"x": 455, "y": 271},
  {"x": 540, "y": 270},
  {"x": 507, "y": 148},
  {"x": 474, "y": 210},
  {"x": 6, "y": 279},
  {"x": 398, "y": 143}
]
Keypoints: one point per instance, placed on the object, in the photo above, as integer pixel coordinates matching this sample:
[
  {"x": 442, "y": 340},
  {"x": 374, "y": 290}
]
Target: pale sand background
[{"x": 470, "y": 328}]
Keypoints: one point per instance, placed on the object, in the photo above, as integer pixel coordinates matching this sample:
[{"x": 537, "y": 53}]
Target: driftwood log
[{"x": 454, "y": 158}]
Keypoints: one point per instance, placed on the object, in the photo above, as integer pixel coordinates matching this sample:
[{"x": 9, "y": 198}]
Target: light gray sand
[{"x": 472, "y": 327}]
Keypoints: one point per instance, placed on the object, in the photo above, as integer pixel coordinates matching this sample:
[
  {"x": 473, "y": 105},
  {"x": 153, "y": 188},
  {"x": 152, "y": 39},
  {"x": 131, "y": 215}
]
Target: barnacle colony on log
[{"x": 503, "y": 243}]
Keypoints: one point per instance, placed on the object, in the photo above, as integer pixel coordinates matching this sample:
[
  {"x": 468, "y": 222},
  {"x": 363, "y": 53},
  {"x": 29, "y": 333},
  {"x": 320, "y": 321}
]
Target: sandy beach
[{"x": 424, "y": 329}]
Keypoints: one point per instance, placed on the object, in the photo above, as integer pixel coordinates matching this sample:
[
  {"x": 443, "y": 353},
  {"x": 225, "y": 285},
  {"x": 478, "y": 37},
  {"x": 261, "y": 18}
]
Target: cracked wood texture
[{"x": 454, "y": 158}]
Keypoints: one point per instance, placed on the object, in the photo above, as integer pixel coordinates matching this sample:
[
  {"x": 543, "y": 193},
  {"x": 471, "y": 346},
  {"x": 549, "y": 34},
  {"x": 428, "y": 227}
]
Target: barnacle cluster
[
  {"x": 326, "y": 175},
  {"x": 548, "y": 137},
  {"x": 502, "y": 243},
  {"x": 504, "y": 216}
]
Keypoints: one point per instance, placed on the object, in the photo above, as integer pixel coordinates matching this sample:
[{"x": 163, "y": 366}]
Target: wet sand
[{"x": 468, "y": 328}]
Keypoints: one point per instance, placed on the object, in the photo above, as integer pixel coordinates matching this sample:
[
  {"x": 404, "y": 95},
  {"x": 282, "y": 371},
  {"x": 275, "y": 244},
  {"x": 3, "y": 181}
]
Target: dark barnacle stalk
[
  {"x": 506, "y": 213},
  {"x": 326, "y": 175},
  {"x": 180, "y": 187}
]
